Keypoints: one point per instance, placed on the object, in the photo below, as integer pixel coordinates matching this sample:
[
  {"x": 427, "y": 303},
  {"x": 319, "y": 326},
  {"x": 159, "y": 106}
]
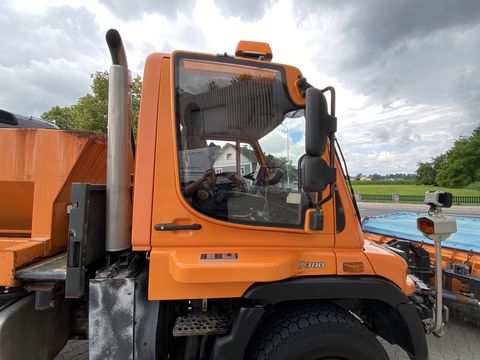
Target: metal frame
[{"x": 86, "y": 235}]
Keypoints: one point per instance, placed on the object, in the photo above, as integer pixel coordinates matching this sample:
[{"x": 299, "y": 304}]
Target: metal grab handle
[{"x": 173, "y": 227}]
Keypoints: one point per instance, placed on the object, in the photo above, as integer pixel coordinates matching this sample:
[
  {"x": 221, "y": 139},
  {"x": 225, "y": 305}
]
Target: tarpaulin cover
[{"x": 403, "y": 225}]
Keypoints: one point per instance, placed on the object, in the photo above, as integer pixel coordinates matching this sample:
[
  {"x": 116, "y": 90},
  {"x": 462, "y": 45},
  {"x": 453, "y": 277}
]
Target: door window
[{"x": 239, "y": 144}]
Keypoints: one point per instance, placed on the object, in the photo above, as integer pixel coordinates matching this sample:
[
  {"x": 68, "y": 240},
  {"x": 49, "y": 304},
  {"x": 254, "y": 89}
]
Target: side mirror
[
  {"x": 316, "y": 174},
  {"x": 316, "y": 122}
]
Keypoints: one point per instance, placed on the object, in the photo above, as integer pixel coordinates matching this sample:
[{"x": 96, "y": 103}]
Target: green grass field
[{"x": 408, "y": 190}]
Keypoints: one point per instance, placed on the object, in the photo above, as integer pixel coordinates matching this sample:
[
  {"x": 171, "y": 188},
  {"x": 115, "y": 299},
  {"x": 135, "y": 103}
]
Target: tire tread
[{"x": 291, "y": 319}]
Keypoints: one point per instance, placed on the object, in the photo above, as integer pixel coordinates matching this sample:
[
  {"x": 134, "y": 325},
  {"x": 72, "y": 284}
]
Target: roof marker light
[{"x": 254, "y": 50}]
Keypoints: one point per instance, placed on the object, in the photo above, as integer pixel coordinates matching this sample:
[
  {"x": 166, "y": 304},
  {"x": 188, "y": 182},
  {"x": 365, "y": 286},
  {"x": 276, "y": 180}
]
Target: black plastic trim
[
  {"x": 417, "y": 348},
  {"x": 174, "y": 227},
  {"x": 339, "y": 214},
  {"x": 326, "y": 287},
  {"x": 233, "y": 345},
  {"x": 253, "y": 55},
  {"x": 86, "y": 235}
]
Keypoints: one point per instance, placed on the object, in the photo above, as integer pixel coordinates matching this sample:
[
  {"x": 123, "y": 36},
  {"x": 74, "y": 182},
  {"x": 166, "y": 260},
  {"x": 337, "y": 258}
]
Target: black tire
[{"x": 312, "y": 331}]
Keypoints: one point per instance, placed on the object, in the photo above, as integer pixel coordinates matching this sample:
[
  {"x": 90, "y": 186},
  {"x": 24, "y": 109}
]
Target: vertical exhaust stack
[{"x": 119, "y": 208}]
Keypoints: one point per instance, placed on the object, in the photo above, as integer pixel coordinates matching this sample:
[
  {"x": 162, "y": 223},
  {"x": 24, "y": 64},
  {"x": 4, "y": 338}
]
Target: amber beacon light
[{"x": 254, "y": 50}]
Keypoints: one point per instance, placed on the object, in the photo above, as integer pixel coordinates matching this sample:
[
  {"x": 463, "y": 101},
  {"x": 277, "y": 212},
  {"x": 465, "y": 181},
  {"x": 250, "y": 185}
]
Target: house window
[
  {"x": 229, "y": 156},
  {"x": 242, "y": 170}
]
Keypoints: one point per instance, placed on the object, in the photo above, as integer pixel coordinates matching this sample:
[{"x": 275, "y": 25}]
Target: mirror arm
[
  {"x": 331, "y": 138},
  {"x": 303, "y": 85},
  {"x": 332, "y": 98},
  {"x": 332, "y": 184},
  {"x": 299, "y": 172}
]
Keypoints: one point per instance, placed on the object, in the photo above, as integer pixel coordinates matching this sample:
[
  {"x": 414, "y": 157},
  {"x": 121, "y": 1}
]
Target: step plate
[{"x": 204, "y": 324}]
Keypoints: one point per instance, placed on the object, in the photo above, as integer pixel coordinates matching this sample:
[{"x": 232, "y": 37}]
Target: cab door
[{"x": 225, "y": 213}]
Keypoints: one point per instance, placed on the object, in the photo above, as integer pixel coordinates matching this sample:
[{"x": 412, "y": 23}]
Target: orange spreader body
[{"x": 37, "y": 169}]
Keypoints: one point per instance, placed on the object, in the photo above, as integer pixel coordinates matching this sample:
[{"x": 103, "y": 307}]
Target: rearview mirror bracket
[{"x": 316, "y": 174}]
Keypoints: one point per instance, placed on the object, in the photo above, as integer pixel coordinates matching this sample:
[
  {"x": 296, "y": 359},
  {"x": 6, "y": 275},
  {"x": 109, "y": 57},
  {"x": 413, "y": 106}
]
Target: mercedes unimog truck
[{"x": 200, "y": 239}]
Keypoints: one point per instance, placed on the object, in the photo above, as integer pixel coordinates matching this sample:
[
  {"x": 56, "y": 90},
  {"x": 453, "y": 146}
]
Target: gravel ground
[
  {"x": 74, "y": 350},
  {"x": 460, "y": 342}
]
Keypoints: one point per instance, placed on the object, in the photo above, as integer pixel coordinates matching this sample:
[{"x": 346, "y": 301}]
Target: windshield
[
  {"x": 284, "y": 146},
  {"x": 239, "y": 139}
]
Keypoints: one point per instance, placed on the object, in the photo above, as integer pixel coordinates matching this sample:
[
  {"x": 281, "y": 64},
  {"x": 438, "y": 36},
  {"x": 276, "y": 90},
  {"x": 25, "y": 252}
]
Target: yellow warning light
[
  {"x": 353, "y": 267},
  {"x": 425, "y": 225},
  {"x": 254, "y": 50}
]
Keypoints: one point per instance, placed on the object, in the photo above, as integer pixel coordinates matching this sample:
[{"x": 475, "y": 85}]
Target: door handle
[{"x": 174, "y": 227}]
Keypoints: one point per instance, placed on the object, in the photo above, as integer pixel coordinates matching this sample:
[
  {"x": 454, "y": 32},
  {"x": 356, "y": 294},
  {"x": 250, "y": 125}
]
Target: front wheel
[{"x": 314, "y": 332}]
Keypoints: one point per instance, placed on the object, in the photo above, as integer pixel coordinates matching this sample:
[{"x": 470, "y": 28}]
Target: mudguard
[{"x": 405, "y": 327}]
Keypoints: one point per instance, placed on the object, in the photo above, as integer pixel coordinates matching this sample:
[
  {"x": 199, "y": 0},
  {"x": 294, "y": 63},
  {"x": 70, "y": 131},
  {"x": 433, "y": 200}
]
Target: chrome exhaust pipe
[{"x": 119, "y": 207}]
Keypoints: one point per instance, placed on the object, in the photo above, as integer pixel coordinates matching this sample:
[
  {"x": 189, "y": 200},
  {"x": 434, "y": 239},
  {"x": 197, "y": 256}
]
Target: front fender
[{"x": 406, "y": 329}]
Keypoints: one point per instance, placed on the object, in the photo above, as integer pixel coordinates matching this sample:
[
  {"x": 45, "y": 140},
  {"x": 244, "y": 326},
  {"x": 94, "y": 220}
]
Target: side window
[
  {"x": 213, "y": 175},
  {"x": 239, "y": 143},
  {"x": 284, "y": 146},
  {"x": 228, "y": 180}
]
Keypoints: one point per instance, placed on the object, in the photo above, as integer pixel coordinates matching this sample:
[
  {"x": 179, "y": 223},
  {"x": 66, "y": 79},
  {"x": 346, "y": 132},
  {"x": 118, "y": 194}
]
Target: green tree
[
  {"x": 425, "y": 173},
  {"x": 62, "y": 116},
  {"x": 457, "y": 168},
  {"x": 91, "y": 110},
  {"x": 461, "y": 164}
]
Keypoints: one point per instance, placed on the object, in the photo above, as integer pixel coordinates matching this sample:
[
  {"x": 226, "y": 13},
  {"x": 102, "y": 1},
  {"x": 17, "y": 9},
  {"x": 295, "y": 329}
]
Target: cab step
[{"x": 202, "y": 324}]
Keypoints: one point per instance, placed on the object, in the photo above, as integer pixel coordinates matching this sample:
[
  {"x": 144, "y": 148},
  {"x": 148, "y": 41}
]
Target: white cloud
[{"x": 407, "y": 86}]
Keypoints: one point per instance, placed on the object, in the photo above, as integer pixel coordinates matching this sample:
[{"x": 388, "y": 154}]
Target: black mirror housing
[
  {"x": 316, "y": 174},
  {"x": 318, "y": 123},
  {"x": 315, "y": 124}
]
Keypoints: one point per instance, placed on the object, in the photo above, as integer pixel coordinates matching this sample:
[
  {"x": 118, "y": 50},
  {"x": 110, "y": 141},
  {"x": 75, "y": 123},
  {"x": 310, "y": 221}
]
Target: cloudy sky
[{"x": 407, "y": 73}]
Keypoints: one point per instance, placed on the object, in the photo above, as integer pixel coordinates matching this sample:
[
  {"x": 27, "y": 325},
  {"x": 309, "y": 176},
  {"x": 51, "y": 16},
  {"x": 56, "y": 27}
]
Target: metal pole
[
  {"x": 438, "y": 324},
  {"x": 288, "y": 159},
  {"x": 288, "y": 156},
  {"x": 119, "y": 207},
  {"x": 118, "y": 178}
]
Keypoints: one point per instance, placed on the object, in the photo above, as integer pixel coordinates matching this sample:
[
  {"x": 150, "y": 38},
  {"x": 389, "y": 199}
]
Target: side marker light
[{"x": 353, "y": 267}]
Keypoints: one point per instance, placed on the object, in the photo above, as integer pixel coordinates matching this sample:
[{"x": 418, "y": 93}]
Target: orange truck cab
[{"x": 232, "y": 234}]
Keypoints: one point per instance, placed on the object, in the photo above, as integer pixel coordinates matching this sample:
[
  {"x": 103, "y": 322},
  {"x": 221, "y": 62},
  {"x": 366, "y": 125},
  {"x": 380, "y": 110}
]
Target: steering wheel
[
  {"x": 230, "y": 181},
  {"x": 274, "y": 176}
]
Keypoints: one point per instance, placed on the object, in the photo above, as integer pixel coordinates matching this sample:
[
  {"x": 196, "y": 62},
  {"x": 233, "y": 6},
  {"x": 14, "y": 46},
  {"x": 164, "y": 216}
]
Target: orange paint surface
[
  {"x": 145, "y": 156},
  {"x": 254, "y": 47},
  {"x": 38, "y": 169},
  {"x": 264, "y": 253},
  {"x": 449, "y": 256},
  {"x": 388, "y": 265},
  {"x": 181, "y": 273}
]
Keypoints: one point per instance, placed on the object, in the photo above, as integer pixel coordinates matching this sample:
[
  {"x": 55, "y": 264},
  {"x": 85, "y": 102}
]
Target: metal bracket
[
  {"x": 86, "y": 235},
  {"x": 46, "y": 293}
]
